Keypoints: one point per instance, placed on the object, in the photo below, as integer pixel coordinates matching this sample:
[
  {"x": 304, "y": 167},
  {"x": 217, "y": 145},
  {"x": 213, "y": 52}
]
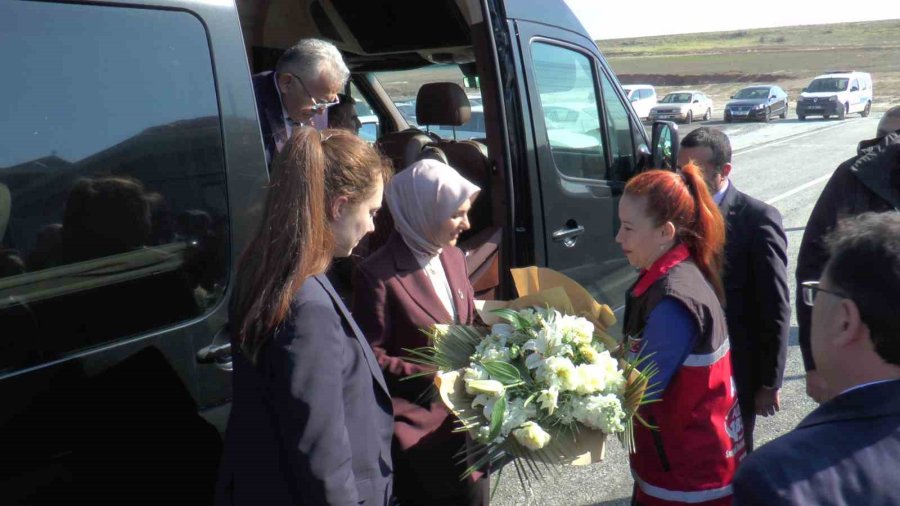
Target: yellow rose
[{"x": 531, "y": 436}]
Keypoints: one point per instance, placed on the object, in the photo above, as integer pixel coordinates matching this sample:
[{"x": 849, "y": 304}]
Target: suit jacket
[
  {"x": 757, "y": 300},
  {"x": 846, "y": 452},
  {"x": 311, "y": 422},
  {"x": 271, "y": 116},
  {"x": 393, "y": 300}
]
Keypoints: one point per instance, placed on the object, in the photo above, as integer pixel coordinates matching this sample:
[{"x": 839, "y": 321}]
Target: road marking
[
  {"x": 767, "y": 144},
  {"x": 798, "y": 189}
]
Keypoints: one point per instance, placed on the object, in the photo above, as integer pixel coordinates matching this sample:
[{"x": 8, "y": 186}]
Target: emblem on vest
[{"x": 634, "y": 345}]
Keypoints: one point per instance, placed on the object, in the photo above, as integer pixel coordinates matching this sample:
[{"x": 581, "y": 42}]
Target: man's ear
[
  {"x": 339, "y": 207},
  {"x": 284, "y": 82},
  {"x": 851, "y": 328},
  {"x": 726, "y": 169}
]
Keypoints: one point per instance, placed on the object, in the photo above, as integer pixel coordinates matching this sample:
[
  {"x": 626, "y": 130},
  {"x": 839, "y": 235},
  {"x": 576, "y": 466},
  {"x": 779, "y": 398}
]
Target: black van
[{"x": 132, "y": 174}]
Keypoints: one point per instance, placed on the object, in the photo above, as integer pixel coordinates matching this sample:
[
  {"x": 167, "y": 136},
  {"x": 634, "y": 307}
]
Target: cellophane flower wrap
[{"x": 542, "y": 382}]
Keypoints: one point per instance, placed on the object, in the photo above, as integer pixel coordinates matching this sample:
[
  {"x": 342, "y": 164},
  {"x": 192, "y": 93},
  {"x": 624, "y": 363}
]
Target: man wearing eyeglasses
[
  {"x": 869, "y": 181},
  {"x": 847, "y": 451},
  {"x": 305, "y": 83}
]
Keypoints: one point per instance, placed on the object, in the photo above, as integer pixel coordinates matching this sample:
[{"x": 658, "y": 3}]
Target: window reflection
[{"x": 113, "y": 207}]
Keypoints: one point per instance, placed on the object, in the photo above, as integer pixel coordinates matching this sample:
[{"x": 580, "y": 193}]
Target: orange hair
[{"x": 683, "y": 199}]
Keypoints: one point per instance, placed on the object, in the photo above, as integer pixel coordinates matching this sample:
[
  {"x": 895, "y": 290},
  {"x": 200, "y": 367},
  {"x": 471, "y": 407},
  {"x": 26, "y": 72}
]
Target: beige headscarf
[{"x": 422, "y": 197}]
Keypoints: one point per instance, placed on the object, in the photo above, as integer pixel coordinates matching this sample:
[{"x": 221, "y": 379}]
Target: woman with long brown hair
[
  {"x": 311, "y": 416},
  {"x": 672, "y": 231}
]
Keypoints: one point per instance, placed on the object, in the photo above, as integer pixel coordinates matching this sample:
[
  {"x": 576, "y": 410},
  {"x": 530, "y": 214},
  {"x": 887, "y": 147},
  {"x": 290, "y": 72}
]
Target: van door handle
[
  {"x": 569, "y": 234},
  {"x": 218, "y": 352}
]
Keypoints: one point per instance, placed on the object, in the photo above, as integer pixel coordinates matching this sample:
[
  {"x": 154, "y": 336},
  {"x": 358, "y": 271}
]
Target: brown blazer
[{"x": 392, "y": 300}]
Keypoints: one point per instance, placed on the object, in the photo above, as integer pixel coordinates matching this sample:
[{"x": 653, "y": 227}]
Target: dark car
[
  {"x": 133, "y": 173},
  {"x": 757, "y": 103}
]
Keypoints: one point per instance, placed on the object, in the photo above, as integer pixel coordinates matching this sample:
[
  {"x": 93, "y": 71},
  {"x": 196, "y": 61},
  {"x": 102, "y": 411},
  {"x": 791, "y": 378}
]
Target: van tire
[
  {"x": 842, "y": 112},
  {"x": 689, "y": 118},
  {"x": 865, "y": 112},
  {"x": 707, "y": 115},
  {"x": 767, "y": 116}
]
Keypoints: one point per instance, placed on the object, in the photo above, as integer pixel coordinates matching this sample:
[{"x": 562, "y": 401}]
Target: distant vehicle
[
  {"x": 642, "y": 98},
  {"x": 836, "y": 93},
  {"x": 758, "y": 103},
  {"x": 683, "y": 106},
  {"x": 408, "y": 111}
]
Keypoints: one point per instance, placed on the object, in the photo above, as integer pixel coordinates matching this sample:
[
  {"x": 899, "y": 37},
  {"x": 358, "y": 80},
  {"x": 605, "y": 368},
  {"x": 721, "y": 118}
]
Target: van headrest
[{"x": 442, "y": 104}]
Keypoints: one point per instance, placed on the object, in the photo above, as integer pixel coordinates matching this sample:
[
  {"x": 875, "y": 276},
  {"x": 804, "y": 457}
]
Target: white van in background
[
  {"x": 642, "y": 98},
  {"x": 836, "y": 93}
]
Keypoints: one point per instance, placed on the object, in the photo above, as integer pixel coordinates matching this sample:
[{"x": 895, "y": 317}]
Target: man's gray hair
[
  {"x": 311, "y": 58},
  {"x": 890, "y": 122}
]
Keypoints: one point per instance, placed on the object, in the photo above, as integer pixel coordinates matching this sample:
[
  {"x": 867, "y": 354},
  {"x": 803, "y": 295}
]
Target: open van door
[{"x": 587, "y": 144}]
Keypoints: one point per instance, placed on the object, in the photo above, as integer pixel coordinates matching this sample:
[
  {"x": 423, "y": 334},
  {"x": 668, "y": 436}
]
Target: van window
[
  {"x": 366, "y": 114},
  {"x": 113, "y": 177},
  {"x": 565, "y": 83},
  {"x": 621, "y": 137}
]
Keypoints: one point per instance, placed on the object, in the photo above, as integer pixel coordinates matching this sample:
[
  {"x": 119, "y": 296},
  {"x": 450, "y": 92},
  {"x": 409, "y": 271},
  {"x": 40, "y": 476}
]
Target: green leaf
[
  {"x": 502, "y": 371},
  {"x": 497, "y": 417}
]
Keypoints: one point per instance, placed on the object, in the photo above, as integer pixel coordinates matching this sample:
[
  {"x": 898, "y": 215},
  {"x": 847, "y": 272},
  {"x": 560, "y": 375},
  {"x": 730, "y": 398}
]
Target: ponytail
[
  {"x": 294, "y": 242},
  {"x": 684, "y": 200},
  {"x": 705, "y": 235}
]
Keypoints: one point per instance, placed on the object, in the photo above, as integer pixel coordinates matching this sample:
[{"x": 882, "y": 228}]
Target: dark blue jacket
[
  {"x": 311, "y": 422},
  {"x": 846, "y": 452},
  {"x": 757, "y": 299}
]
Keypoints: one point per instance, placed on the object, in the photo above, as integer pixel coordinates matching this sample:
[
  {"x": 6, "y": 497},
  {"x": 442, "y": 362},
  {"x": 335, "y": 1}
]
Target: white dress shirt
[{"x": 434, "y": 270}]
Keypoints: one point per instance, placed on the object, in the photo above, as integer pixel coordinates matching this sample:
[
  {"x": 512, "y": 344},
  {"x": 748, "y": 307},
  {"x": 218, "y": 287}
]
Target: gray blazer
[
  {"x": 311, "y": 423},
  {"x": 846, "y": 452}
]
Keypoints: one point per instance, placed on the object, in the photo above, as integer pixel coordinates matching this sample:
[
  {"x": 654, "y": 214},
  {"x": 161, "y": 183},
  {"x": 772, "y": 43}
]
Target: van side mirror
[
  {"x": 665, "y": 145},
  {"x": 802, "y": 90}
]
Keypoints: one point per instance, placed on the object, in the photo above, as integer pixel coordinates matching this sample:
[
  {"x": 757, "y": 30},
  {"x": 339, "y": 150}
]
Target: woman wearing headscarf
[{"x": 418, "y": 279}]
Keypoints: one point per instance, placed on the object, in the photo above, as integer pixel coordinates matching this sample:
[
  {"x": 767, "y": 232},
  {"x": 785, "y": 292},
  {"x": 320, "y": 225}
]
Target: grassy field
[{"x": 720, "y": 63}]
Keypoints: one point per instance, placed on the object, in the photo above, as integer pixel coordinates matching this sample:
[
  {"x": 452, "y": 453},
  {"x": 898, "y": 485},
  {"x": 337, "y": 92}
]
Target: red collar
[{"x": 670, "y": 259}]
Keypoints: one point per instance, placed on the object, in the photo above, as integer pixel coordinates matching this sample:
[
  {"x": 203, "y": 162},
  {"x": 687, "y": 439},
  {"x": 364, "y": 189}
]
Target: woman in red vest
[{"x": 672, "y": 231}]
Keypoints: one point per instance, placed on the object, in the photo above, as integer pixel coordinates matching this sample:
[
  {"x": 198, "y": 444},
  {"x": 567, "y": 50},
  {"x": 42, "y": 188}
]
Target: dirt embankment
[{"x": 701, "y": 79}]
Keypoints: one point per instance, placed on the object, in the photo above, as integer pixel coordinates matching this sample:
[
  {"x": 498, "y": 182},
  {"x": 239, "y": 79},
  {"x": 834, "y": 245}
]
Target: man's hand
[
  {"x": 816, "y": 387},
  {"x": 768, "y": 401}
]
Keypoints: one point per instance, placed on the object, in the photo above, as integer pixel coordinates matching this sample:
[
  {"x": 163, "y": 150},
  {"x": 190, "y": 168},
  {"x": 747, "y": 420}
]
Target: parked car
[
  {"x": 130, "y": 191},
  {"x": 757, "y": 103},
  {"x": 837, "y": 93},
  {"x": 642, "y": 98},
  {"x": 683, "y": 106}
]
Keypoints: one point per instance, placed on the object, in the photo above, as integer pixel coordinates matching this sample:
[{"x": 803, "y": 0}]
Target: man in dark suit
[
  {"x": 757, "y": 297},
  {"x": 306, "y": 82},
  {"x": 870, "y": 181},
  {"x": 847, "y": 451}
]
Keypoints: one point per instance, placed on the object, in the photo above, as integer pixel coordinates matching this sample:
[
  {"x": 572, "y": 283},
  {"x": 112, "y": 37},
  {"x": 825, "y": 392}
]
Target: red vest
[{"x": 693, "y": 455}]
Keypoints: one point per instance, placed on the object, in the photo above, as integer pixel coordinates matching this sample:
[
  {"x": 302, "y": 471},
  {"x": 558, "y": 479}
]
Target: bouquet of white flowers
[{"x": 542, "y": 385}]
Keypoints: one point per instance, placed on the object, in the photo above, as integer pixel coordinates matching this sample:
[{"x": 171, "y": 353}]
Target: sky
[{"x": 613, "y": 19}]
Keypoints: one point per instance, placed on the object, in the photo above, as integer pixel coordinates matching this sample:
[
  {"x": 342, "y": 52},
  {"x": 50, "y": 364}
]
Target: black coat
[
  {"x": 311, "y": 422},
  {"x": 844, "y": 452},
  {"x": 867, "y": 182},
  {"x": 757, "y": 298}
]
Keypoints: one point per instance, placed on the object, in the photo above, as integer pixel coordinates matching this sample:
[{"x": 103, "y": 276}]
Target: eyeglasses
[
  {"x": 318, "y": 105},
  {"x": 810, "y": 288}
]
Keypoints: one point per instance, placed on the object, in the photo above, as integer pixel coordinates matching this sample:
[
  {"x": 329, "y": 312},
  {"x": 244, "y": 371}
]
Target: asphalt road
[{"x": 785, "y": 163}]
